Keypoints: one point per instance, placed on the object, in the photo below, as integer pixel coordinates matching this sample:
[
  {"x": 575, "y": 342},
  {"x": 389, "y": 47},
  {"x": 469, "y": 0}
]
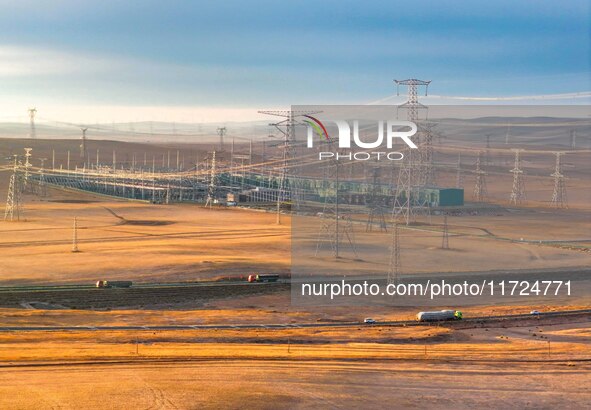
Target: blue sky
[{"x": 187, "y": 59}]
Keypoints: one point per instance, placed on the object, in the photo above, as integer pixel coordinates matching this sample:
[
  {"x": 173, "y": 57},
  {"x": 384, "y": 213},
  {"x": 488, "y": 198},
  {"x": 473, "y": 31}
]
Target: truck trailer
[
  {"x": 263, "y": 278},
  {"x": 439, "y": 315},
  {"x": 113, "y": 283}
]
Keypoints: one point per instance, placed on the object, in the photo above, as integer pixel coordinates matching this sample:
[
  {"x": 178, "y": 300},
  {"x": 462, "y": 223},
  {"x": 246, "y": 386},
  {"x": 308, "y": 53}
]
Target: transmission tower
[
  {"x": 335, "y": 226},
  {"x": 14, "y": 208},
  {"x": 459, "y": 179},
  {"x": 410, "y": 176},
  {"x": 83, "y": 143},
  {"x": 32, "y": 132},
  {"x": 221, "y": 132},
  {"x": 28, "y": 165},
  {"x": 394, "y": 268},
  {"x": 424, "y": 139},
  {"x": 480, "y": 192},
  {"x": 75, "y": 236},
  {"x": 518, "y": 190},
  {"x": 412, "y": 104},
  {"x": 445, "y": 236},
  {"x": 559, "y": 199},
  {"x": 212, "y": 188},
  {"x": 573, "y": 139},
  {"x": 376, "y": 209},
  {"x": 287, "y": 172}
]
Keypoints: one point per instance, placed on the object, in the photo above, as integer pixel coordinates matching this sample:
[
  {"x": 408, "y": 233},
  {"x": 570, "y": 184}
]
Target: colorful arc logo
[{"x": 317, "y": 126}]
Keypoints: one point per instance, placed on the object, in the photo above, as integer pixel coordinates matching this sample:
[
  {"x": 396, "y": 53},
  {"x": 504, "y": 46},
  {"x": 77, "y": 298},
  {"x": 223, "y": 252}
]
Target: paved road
[{"x": 281, "y": 325}]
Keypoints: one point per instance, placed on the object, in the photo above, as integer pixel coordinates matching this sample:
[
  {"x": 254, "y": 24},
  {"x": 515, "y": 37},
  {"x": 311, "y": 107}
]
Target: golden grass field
[
  {"x": 499, "y": 365},
  {"x": 508, "y": 367}
]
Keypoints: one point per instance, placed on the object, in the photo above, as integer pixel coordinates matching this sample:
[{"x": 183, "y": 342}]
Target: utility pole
[
  {"x": 518, "y": 190},
  {"x": 559, "y": 199},
  {"x": 445, "y": 237},
  {"x": 75, "y": 236},
  {"x": 573, "y": 139}
]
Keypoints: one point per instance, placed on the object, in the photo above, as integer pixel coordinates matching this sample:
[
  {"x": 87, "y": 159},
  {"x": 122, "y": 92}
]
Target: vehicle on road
[
  {"x": 113, "y": 283},
  {"x": 263, "y": 278},
  {"x": 439, "y": 315},
  {"x": 534, "y": 312},
  {"x": 369, "y": 321}
]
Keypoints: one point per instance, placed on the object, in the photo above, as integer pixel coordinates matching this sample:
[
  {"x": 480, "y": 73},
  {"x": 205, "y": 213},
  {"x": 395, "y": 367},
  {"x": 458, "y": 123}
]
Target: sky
[{"x": 221, "y": 61}]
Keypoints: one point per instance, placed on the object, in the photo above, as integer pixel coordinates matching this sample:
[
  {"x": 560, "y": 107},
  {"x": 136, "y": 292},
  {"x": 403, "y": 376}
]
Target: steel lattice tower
[
  {"x": 83, "y": 143},
  {"x": 221, "y": 132},
  {"x": 573, "y": 139},
  {"x": 32, "y": 132},
  {"x": 518, "y": 190},
  {"x": 394, "y": 271},
  {"x": 332, "y": 230},
  {"x": 459, "y": 179},
  {"x": 411, "y": 172},
  {"x": 479, "y": 193},
  {"x": 445, "y": 235},
  {"x": 28, "y": 165},
  {"x": 288, "y": 171},
  {"x": 13, "y": 208},
  {"x": 212, "y": 188},
  {"x": 559, "y": 198},
  {"x": 412, "y": 104},
  {"x": 376, "y": 209}
]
